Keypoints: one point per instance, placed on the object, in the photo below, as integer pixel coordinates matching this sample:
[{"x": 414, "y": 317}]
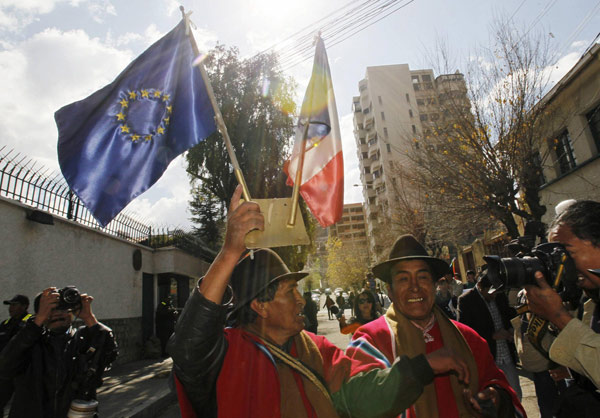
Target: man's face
[
  {"x": 16, "y": 310},
  {"x": 285, "y": 315},
  {"x": 59, "y": 320},
  {"x": 412, "y": 290},
  {"x": 470, "y": 277},
  {"x": 583, "y": 252}
]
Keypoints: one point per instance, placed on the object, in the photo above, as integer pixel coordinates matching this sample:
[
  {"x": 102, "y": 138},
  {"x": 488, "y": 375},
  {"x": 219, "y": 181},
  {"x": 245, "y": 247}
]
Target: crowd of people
[
  {"x": 412, "y": 359},
  {"x": 246, "y": 343}
]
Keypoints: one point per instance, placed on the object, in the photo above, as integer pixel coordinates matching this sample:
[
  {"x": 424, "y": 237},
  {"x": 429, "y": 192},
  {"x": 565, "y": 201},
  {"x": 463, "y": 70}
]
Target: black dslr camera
[
  {"x": 70, "y": 299},
  {"x": 551, "y": 258}
]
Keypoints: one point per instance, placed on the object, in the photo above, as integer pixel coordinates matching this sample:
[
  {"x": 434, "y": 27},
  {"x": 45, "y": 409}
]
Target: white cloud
[
  {"x": 173, "y": 193},
  {"x": 42, "y": 74},
  {"x": 100, "y": 8}
]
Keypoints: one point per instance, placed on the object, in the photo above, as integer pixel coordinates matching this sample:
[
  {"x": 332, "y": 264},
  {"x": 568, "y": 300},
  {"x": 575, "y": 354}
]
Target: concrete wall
[{"x": 34, "y": 256}]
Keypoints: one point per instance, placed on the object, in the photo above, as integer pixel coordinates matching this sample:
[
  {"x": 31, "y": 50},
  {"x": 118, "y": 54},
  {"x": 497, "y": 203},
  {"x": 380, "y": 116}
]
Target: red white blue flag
[{"x": 322, "y": 186}]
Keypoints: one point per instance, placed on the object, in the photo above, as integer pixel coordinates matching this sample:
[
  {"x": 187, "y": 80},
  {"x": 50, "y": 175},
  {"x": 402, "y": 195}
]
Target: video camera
[{"x": 551, "y": 258}]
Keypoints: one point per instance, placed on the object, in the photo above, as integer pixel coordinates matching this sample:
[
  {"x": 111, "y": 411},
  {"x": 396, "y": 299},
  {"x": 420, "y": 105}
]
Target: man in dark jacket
[
  {"x": 489, "y": 315},
  {"x": 51, "y": 362},
  {"x": 267, "y": 365},
  {"x": 17, "y": 309}
]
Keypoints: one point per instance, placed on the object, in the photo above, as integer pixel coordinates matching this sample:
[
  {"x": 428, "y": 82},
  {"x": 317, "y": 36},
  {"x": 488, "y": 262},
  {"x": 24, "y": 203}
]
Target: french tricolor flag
[{"x": 318, "y": 131}]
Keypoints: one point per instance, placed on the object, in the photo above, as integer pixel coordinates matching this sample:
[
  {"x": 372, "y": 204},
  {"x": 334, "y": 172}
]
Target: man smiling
[
  {"x": 414, "y": 325},
  {"x": 266, "y": 365}
]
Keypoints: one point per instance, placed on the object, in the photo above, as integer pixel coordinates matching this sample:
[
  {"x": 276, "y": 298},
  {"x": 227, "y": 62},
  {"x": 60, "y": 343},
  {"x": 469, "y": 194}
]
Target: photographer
[
  {"x": 51, "y": 362},
  {"x": 577, "y": 346}
]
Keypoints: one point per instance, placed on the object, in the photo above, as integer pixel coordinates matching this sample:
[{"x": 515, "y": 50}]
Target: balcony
[
  {"x": 372, "y": 135},
  {"x": 370, "y": 193},
  {"x": 356, "y": 107},
  {"x": 367, "y": 178},
  {"x": 375, "y": 165},
  {"x": 377, "y": 182},
  {"x": 369, "y": 121},
  {"x": 363, "y": 148}
]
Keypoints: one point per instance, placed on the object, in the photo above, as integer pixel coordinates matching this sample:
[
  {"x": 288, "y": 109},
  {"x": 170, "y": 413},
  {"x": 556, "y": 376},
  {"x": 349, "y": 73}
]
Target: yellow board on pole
[{"x": 277, "y": 233}]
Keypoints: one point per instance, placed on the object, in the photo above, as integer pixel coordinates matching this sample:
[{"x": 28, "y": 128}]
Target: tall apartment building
[
  {"x": 351, "y": 229},
  {"x": 396, "y": 106}
]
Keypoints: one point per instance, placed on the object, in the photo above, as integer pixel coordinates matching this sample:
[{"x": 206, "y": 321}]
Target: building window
[
  {"x": 373, "y": 140},
  {"x": 380, "y": 101},
  {"x": 420, "y": 102},
  {"x": 415, "y": 79},
  {"x": 389, "y": 148},
  {"x": 382, "y": 116},
  {"x": 365, "y": 155},
  {"x": 367, "y": 170},
  {"x": 593, "y": 119},
  {"x": 425, "y": 77},
  {"x": 414, "y": 129},
  {"x": 385, "y": 132},
  {"x": 423, "y": 117},
  {"x": 563, "y": 148},
  {"x": 407, "y": 98},
  {"x": 417, "y": 87},
  {"x": 410, "y": 113},
  {"x": 435, "y": 116}
]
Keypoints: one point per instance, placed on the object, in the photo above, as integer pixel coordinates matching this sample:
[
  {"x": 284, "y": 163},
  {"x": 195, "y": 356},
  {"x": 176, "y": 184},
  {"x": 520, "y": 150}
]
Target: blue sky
[{"x": 54, "y": 52}]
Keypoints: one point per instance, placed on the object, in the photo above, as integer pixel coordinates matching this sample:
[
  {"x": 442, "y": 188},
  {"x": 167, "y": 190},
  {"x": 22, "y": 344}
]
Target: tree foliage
[
  {"x": 479, "y": 163},
  {"x": 257, "y": 104},
  {"x": 346, "y": 268}
]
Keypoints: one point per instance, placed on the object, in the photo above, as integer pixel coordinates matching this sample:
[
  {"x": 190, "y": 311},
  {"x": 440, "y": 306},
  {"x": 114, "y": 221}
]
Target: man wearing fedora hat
[
  {"x": 577, "y": 227},
  {"x": 265, "y": 365},
  {"x": 414, "y": 325}
]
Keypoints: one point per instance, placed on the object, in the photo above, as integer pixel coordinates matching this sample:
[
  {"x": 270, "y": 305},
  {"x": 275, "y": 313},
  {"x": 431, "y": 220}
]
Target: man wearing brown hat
[
  {"x": 266, "y": 365},
  {"x": 414, "y": 325}
]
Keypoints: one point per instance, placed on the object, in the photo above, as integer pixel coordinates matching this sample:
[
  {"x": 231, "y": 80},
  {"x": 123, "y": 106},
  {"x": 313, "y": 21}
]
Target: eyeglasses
[{"x": 361, "y": 300}]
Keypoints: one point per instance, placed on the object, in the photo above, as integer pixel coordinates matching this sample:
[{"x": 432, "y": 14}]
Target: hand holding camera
[
  {"x": 48, "y": 301},
  {"x": 545, "y": 302}
]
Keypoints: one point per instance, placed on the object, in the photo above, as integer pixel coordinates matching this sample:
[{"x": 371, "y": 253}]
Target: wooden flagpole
[{"x": 218, "y": 116}]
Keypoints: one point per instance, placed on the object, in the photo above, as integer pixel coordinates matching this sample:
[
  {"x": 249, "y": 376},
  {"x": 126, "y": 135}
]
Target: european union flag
[{"x": 115, "y": 144}]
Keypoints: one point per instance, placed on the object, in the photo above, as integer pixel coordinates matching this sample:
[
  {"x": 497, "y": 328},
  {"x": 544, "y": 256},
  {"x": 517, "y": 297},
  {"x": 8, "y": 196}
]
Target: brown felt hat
[
  {"x": 255, "y": 271},
  {"x": 408, "y": 248}
]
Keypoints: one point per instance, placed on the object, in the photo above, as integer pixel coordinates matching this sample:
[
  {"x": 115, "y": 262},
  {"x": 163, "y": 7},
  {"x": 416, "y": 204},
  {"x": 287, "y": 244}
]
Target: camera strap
[{"x": 536, "y": 331}]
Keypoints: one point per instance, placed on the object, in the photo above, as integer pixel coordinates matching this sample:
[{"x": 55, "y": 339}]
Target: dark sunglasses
[{"x": 361, "y": 300}]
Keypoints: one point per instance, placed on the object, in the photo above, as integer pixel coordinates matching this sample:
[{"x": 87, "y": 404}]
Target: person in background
[
  {"x": 310, "y": 314},
  {"x": 470, "y": 284},
  {"x": 166, "y": 316},
  {"x": 18, "y": 316},
  {"x": 328, "y": 304},
  {"x": 365, "y": 308},
  {"x": 443, "y": 296},
  {"x": 489, "y": 314}
]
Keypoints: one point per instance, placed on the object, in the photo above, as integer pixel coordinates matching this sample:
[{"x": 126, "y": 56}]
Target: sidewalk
[{"x": 138, "y": 389}]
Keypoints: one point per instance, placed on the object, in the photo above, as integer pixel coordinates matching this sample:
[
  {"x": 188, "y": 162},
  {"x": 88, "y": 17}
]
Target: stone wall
[{"x": 128, "y": 332}]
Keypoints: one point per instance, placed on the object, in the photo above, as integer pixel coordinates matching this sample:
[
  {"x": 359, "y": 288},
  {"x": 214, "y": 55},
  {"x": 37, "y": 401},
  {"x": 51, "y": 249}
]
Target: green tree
[
  {"x": 345, "y": 267},
  {"x": 257, "y": 104}
]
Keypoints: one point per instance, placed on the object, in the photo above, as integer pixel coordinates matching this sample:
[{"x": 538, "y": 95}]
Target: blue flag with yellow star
[{"x": 116, "y": 143}]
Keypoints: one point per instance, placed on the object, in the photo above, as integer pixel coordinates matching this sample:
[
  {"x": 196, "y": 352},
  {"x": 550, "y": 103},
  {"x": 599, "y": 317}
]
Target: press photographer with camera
[
  {"x": 577, "y": 346},
  {"x": 51, "y": 362}
]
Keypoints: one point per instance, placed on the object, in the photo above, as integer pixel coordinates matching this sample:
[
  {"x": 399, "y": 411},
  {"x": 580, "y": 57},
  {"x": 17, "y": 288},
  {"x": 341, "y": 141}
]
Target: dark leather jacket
[
  {"x": 44, "y": 367},
  {"x": 198, "y": 348}
]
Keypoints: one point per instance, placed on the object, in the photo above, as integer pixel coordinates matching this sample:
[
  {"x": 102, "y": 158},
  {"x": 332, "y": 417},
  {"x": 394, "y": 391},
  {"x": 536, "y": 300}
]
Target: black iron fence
[{"x": 26, "y": 181}]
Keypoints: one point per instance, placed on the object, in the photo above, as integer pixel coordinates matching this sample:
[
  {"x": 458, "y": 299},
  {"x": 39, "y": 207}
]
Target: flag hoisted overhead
[
  {"x": 318, "y": 131},
  {"x": 116, "y": 143}
]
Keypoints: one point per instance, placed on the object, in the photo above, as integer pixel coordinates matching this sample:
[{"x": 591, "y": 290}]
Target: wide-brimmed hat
[
  {"x": 255, "y": 271},
  {"x": 22, "y": 299},
  {"x": 408, "y": 248}
]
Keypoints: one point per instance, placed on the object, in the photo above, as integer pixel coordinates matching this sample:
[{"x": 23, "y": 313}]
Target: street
[{"x": 330, "y": 329}]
